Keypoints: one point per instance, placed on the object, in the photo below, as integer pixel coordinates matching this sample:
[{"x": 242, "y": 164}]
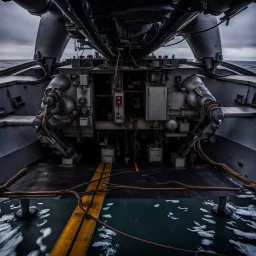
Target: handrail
[
  {"x": 236, "y": 68},
  {"x": 17, "y": 68}
]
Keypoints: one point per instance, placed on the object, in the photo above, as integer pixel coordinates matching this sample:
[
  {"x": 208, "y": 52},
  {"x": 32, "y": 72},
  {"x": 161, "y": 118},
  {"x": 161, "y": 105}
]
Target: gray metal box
[
  {"x": 184, "y": 127},
  {"x": 178, "y": 161},
  {"x": 176, "y": 100},
  {"x": 83, "y": 80},
  {"x": 156, "y": 103},
  {"x": 84, "y": 121},
  {"x": 155, "y": 154},
  {"x": 107, "y": 155}
]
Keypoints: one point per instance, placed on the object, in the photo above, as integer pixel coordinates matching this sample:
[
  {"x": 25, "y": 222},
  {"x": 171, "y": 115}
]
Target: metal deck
[
  {"x": 49, "y": 174},
  {"x": 76, "y": 236}
]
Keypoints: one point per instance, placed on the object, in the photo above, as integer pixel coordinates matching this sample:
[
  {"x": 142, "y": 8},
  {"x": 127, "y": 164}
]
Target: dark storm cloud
[
  {"x": 238, "y": 38},
  {"x": 18, "y": 31},
  {"x": 17, "y": 26},
  {"x": 241, "y": 30}
]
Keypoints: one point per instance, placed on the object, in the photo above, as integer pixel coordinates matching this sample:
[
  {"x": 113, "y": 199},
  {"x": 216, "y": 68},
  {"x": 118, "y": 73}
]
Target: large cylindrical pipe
[
  {"x": 35, "y": 7},
  {"x": 59, "y": 82},
  {"x": 198, "y": 93},
  {"x": 200, "y": 96},
  {"x": 217, "y": 7},
  {"x": 54, "y": 98},
  {"x": 207, "y": 44},
  {"x": 52, "y": 37},
  {"x": 177, "y": 21}
]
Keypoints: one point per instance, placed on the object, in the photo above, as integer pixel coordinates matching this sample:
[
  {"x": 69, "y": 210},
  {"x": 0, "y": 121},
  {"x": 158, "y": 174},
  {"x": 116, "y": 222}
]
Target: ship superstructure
[{"x": 126, "y": 108}]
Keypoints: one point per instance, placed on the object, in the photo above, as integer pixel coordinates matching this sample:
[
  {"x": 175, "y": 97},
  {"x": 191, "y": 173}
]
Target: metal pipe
[
  {"x": 24, "y": 204},
  {"x": 222, "y": 203},
  {"x": 25, "y": 211},
  {"x": 207, "y": 44},
  {"x": 87, "y": 32},
  {"x": 177, "y": 21},
  {"x": 217, "y": 7},
  {"x": 37, "y": 7},
  {"x": 221, "y": 209},
  {"x": 17, "y": 121}
]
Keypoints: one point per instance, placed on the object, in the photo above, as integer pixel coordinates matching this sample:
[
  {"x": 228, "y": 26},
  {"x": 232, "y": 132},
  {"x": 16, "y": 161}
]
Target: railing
[
  {"x": 17, "y": 68},
  {"x": 228, "y": 65},
  {"x": 238, "y": 69}
]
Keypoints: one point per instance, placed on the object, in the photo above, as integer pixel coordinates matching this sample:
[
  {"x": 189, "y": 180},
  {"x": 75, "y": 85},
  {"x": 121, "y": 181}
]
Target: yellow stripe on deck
[
  {"x": 83, "y": 239},
  {"x": 85, "y": 235}
]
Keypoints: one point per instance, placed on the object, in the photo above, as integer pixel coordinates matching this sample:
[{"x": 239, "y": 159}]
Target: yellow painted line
[
  {"x": 136, "y": 167},
  {"x": 84, "y": 237},
  {"x": 65, "y": 240}
]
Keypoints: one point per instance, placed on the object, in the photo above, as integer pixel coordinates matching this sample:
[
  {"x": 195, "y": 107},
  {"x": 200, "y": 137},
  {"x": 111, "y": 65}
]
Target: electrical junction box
[
  {"x": 156, "y": 103},
  {"x": 83, "y": 80},
  {"x": 84, "y": 121},
  {"x": 107, "y": 155},
  {"x": 155, "y": 154},
  {"x": 176, "y": 100},
  {"x": 184, "y": 127},
  {"x": 118, "y": 107}
]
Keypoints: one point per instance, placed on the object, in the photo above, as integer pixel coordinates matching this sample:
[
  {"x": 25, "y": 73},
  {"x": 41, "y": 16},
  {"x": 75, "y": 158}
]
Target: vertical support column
[
  {"x": 221, "y": 209},
  {"x": 25, "y": 211}
]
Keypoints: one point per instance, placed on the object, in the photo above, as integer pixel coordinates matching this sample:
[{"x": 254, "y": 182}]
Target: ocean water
[
  {"x": 250, "y": 65},
  {"x": 185, "y": 223},
  {"x": 10, "y": 63}
]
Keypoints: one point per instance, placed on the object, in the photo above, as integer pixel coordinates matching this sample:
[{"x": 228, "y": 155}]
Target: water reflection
[
  {"x": 164, "y": 221},
  {"x": 35, "y": 236}
]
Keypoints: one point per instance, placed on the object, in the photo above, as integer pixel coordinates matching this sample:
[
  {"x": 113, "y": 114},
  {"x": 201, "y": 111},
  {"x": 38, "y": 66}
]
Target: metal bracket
[{"x": 16, "y": 101}]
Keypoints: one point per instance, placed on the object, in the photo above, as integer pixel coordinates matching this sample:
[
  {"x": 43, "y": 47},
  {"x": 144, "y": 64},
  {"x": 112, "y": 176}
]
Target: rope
[
  {"x": 186, "y": 187},
  {"x": 80, "y": 203},
  {"x": 226, "y": 168},
  {"x": 12, "y": 180},
  {"x": 89, "y": 182},
  {"x": 43, "y": 117}
]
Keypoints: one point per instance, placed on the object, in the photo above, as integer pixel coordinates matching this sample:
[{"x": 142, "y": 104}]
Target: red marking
[
  {"x": 212, "y": 105},
  {"x": 118, "y": 100}
]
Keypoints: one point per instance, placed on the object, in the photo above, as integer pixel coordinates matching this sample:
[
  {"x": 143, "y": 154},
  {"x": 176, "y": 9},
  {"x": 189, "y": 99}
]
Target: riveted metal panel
[{"x": 156, "y": 103}]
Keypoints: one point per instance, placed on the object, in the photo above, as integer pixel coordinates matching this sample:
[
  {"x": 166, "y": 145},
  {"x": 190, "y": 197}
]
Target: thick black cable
[
  {"x": 192, "y": 33},
  {"x": 175, "y": 43},
  {"x": 205, "y": 30}
]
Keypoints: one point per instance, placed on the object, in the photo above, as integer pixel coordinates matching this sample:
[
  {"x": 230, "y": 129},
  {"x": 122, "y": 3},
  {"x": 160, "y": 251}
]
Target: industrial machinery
[
  {"x": 125, "y": 100},
  {"x": 123, "y": 105},
  {"x": 146, "y": 106}
]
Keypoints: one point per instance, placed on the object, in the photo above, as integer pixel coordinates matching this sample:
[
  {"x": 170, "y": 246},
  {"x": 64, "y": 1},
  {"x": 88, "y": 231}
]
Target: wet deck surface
[
  {"x": 49, "y": 174},
  {"x": 162, "y": 175}
]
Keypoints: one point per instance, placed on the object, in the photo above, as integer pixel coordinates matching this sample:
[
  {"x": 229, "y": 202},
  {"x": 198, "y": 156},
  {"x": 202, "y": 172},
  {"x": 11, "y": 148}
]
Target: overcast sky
[{"x": 18, "y": 31}]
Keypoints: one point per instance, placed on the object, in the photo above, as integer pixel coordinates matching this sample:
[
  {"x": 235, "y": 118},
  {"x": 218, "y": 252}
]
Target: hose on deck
[
  {"x": 13, "y": 179},
  {"x": 78, "y": 196},
  {"x": 226, "y": 168}
]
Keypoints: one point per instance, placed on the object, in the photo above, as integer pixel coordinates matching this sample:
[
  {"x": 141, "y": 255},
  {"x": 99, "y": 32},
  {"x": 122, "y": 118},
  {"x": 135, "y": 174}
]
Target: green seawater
[{"x": 185, "y": 223}]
